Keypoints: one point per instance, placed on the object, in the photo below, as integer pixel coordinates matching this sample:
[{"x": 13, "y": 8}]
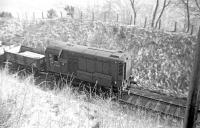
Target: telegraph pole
[{"x": 192, "y": 102}]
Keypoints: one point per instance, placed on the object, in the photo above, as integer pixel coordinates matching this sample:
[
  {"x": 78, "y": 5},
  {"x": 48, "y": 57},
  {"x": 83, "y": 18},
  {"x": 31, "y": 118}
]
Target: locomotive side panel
[
  {"x": 102, "y": 74},
  {"x": 86, "y": 67},
  {"x": 72, "y": 65}
]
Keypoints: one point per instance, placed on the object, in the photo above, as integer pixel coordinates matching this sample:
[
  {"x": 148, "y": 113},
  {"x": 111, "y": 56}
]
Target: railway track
[{"x": 150, "y": 101}]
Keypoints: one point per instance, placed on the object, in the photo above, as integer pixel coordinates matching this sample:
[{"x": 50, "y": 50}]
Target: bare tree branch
[
  {"x": 134, "y": 11},
  {"x": 168, "y": 3},
  {"x": 165, "y": 4},
  {"x": 154, "y": 13},
  {"x": 197, "y": 4},
  {"x": 183, "y": 1},
  {"x": 186, "y": 3}
]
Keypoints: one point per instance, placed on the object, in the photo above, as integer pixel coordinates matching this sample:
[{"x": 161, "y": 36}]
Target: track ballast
[{"x": 154, "y": 102}]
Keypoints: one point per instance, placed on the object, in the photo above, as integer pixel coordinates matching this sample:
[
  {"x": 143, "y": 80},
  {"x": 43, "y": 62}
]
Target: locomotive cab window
[{"x": 55, "y": 57}]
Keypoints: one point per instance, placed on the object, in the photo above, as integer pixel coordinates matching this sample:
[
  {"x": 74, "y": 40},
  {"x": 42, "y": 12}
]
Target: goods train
[{"x": 107, "y": 68}]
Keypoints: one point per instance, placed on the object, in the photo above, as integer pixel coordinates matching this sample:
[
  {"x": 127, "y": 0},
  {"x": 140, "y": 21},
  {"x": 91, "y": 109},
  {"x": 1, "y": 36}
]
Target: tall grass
[{"x": 25, "y": 105}]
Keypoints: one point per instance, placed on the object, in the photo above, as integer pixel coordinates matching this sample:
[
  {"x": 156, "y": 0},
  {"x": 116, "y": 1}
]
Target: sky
[
  {"x": 20, "y": 7},
  {"x": 29, "y": 5}
]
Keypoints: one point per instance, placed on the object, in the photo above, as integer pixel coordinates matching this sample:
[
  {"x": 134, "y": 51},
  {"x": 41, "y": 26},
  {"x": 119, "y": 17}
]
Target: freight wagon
[{"x": 26, "y": 56}]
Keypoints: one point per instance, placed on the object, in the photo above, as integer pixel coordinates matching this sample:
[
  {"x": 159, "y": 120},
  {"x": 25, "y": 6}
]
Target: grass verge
[{"x": 24, "y": 105}]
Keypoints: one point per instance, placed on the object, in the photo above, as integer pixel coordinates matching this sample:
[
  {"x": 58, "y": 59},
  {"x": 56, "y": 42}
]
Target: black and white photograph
[{"x": 99, "y": 63}]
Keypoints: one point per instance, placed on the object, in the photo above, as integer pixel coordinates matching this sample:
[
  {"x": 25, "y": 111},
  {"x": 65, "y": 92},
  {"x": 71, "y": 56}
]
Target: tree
[
  {"x": 197, "y": 4},
  {"x": 154, "y": 22},
  {"x": 165, "y": 4},
  {"x": 134, "y": 11},
  {"x": 69, "y": 10},
  {"x": 51, "y": 13},
  {"x": 154, "y": 13},
  {"x": 110, "y": 9},
  {"x": 186, "y": 5}
]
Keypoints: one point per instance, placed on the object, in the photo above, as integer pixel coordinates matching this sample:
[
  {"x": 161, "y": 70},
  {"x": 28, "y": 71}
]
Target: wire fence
[{"x": 145, "y": 22}]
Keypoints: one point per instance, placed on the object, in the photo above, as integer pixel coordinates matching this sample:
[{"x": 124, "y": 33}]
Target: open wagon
[
  {"x": 3, "y": 48},
  {"x": 26, "y": 56}
]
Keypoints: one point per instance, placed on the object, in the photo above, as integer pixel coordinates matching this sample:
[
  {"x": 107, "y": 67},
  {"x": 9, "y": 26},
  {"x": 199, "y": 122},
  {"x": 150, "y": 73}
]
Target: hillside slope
[{"x": 161, "y": 61}]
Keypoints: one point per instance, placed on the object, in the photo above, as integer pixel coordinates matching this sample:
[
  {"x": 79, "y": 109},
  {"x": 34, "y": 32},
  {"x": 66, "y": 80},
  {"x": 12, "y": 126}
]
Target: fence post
[
  {"x": 42, "y": 15},
  {"x": 192, "y": 101},
  {"x": 18, "y": 16},
  {"x": 92, "y": 16},
  {"x": 81, "y": 16},
  {"x": 33, "y": 16},
  {"x": 61, "y": 15},
  {"x": 117, "y": 18},
  {"x": 192, "y": 29},
  {"x": 131, "y": 20},
  {"x": 159, "y": 25},
  {"x": 175, "y": 26},
  {"x": 105, "y": 17},
  {"x": 26, "y": 16},
  {"x": 145, "y": 22}
]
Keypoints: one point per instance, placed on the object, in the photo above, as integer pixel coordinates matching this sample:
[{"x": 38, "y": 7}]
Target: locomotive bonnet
[{"x": 104, "y": 67}]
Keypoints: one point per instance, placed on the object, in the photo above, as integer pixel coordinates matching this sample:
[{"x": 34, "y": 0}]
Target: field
[{"x": 161, "y": 61}]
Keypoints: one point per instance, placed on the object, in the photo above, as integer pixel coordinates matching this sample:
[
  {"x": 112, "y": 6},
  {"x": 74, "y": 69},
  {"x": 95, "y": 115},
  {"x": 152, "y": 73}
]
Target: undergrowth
[{"x": 23, "y": 104}]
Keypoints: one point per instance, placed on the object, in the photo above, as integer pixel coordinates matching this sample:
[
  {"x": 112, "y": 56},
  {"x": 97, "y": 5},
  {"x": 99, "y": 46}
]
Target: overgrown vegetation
[{"x": 24, "y": 105}]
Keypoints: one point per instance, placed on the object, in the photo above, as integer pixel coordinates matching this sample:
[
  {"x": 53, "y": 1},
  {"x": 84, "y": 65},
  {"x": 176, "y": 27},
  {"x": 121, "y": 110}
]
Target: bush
[
  {"x": 69, "y": 10},
  {"x": 51, "y": 13},
  {"x": 6, "y": 14}
]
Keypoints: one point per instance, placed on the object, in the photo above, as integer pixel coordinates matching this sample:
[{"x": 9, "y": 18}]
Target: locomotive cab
[{"x": 125, "y": 71}]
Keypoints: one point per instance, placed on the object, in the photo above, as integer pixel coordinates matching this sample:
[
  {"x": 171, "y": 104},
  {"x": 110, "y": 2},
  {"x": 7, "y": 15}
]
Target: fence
[{"x": 172, "y": 26}]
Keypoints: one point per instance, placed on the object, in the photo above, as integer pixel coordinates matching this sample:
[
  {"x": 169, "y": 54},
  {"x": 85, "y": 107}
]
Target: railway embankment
[{"x": 161, "y": 61}]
